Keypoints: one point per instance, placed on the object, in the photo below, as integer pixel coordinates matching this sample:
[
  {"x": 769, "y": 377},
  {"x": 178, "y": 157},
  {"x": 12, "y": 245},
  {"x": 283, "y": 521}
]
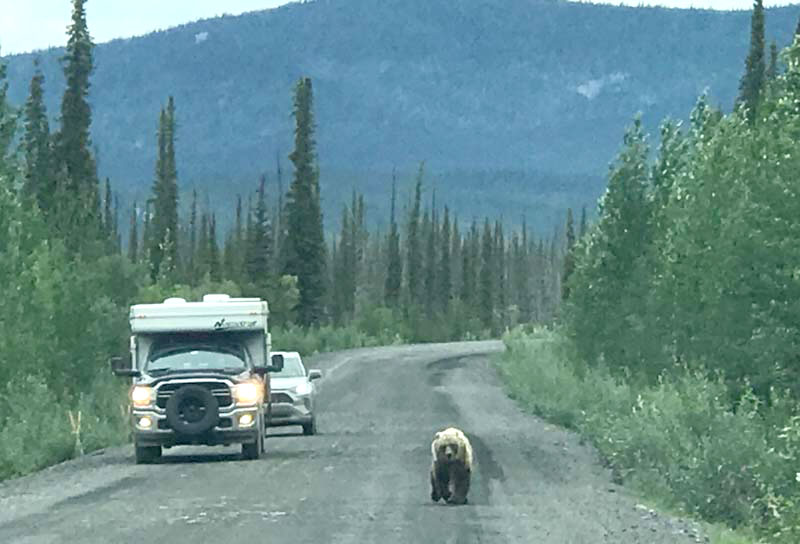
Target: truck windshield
[{"x": 196, "y": 357}]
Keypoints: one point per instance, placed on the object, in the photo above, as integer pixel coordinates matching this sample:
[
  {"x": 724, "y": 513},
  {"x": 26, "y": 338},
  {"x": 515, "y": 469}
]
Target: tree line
[{"x": 693, "y": 262}]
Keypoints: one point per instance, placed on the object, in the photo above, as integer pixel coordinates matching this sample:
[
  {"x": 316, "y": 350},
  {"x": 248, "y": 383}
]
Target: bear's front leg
[
  {"x": 435, "y": 495},
  {"x": 460, "y": 476},
  {"x": 440, "y": 480}
]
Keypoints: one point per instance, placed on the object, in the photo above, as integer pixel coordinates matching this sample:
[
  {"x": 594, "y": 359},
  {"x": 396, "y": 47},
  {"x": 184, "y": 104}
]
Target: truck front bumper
[{"x": 227, "y": 431}]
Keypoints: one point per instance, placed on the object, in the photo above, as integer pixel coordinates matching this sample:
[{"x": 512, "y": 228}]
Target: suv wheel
[
  {"x": 147, "y": 454},
  {"x": 310, "y": 428}
]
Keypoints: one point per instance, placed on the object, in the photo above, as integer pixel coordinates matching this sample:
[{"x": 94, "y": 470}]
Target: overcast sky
[{"x": 26, "y": 25}]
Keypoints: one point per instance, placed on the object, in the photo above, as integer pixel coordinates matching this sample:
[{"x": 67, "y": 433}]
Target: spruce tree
[
  {"x": 444, "y": 273},
  {"x": 237, "y": 264},
  {"x": 500, "y": 274},
  {"x": 165, "y": 197},
  {"x": 214, "y": 269},
  {"x": 487, "y": 278},
  {"x": 259, "y": 258},
  {"x": 108, "y": 214},
  {"x": 133, "y": 240},
  {"x": 414, "y": 258},
  {"x": 394, "y": 272},
  {"x": 79, "y": 196},
  {"x": 192, "y": 258},
  {"x": 752, "y": 82},
  {"x": 584, "y": 224},
  {"x": 772, "y": 69},
  {"x": 203, "y": 258},
  {"x": 39, "y": 185},
  {"x": 430, "y": 263},
  {"x": 569, "y": 262},
  {"x": 305, "y": 240}
]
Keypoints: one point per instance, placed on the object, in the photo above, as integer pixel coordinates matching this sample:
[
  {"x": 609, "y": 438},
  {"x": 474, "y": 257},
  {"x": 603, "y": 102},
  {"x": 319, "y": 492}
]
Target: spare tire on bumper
[{"x": 192, "y": 410}]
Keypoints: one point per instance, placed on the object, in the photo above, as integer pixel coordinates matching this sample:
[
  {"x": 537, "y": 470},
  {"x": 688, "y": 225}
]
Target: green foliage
[
  {"x": 78, "y": 217},
  {"x": 305, "y": 255},
  {"x": 394, "y": 272},
  {"x": 752, "y": 83},
  {"x": 677, "y": 441},
  {"x": 163, "y": 228}
]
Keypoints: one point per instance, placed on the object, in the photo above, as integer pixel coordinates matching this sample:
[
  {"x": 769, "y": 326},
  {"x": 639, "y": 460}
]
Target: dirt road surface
[{"x": 362, "y": 479}]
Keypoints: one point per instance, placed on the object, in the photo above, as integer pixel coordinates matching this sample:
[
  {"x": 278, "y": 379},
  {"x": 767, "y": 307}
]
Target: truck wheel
[
  {"x": 310, "y": 428},
  {"x": 147, "y": 454},
  {"x": 251, "y": 452}
]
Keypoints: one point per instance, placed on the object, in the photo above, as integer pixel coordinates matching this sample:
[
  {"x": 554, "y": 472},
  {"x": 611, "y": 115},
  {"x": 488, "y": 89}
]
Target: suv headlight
[
  {"x": 142, "y": 396},
  {"x": 303, "y": 389},
  {"x": 247, "y": 393}
]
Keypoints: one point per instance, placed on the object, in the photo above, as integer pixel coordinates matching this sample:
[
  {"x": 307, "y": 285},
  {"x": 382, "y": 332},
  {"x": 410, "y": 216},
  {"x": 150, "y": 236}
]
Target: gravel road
[{"x": 362, "y": 479}]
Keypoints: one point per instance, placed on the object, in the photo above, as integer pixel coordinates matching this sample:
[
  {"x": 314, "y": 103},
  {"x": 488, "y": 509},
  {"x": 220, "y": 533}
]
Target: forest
[
  {"x": 676, "y": 347},
  {"x": 69, "y": 270}
]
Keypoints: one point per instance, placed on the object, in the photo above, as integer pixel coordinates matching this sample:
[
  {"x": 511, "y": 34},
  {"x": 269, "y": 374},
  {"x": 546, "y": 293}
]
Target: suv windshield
[
  {"x": 292, "y": 367},
  {"x": 196, "y": 357}
]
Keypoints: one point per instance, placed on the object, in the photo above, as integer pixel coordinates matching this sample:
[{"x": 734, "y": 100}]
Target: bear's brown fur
[{"x": 451, "y": 469}]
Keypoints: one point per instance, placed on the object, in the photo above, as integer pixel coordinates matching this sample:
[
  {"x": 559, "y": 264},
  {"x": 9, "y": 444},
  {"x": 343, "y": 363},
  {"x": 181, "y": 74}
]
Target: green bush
[{"x": 678, "y": 441}]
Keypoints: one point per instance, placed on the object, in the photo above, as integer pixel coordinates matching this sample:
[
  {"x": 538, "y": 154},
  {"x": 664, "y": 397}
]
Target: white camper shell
[
  {"x": 200, "y": 374},
  {"x": 216, "y": 313}
]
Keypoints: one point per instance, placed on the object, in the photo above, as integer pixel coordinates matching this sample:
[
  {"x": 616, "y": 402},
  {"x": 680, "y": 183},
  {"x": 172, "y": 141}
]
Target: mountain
[{"x": 516, "y": 107}]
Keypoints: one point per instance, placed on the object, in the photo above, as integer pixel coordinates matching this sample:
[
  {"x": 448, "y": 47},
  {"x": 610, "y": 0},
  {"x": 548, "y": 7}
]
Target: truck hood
[{"x": 194, "y": 375}]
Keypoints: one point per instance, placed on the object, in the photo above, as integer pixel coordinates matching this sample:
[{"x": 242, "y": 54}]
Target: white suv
[{"x": 293, "y": 394}]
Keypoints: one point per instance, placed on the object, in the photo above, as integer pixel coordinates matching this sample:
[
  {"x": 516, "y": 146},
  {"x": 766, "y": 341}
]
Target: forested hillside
[{"x": 530, "y": 96}]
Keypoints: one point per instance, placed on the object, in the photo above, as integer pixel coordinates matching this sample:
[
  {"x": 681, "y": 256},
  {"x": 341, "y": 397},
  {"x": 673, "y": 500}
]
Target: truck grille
[
  {"x": 220, "y": 391},
  {"x": 281, "y": 398}
]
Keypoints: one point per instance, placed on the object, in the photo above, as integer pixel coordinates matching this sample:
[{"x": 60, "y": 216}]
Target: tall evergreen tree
[
  {"x": 214, "y": 269},
  {"x": 414, "y": 258},
  {"x": 203, "y": 258},
  {"x": 108, "y": 213},
  {"x": 165, "y": 197},
  {"x": 500, "y": 273},
  {"x": 487, "y": 278},
  {"x": 394, "y": 272},
  {"x": 259, "y": 259},
  {"x": 40, "y": 179},
  {"x": 569, "y": 259},
  {"x": 79, "y": 197},
  {"x": 444, "y": 273},
  {"x": 306, "y": 245},
  {"x": 133, "y": 240},
  {"x": 584, "y": 223},
  {"x": 430, "y": 263},
  {"x": 772, "y": 69},
  {"x": 752, "y": 82},
  {"x": 192, "y": 257}
]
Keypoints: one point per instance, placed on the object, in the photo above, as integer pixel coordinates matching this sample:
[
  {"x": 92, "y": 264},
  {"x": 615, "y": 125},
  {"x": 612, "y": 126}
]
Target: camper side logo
[{"x": 223, "y": 324}]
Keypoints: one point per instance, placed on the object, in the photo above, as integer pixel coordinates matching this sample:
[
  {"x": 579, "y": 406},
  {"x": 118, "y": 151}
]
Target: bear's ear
[{"x": 438, "y": 436}]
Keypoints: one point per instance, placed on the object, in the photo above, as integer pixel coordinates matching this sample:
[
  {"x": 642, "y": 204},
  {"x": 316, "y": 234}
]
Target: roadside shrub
[{"x": 679, "y": 441}]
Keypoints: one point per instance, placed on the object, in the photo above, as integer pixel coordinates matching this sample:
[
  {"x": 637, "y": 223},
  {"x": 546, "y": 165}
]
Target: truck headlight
[
  {"x": 247, "y": 393},
  {"x": 142, "y": 396},
  {"x": 303, "y": 389}
]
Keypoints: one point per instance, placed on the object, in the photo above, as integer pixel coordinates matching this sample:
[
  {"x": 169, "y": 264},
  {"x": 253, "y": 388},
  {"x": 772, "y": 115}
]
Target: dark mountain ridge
[{"x": 530, "y": 97}]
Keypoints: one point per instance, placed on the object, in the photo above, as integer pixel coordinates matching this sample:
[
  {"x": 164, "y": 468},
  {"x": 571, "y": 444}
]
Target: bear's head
[{"x": 448, "y": 447}]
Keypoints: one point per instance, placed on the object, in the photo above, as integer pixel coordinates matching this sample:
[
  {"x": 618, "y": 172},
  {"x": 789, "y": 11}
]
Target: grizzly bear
[{"x": 451, "y": 469}]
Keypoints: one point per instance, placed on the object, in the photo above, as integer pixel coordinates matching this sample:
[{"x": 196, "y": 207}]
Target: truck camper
[{"x": 200, "y": 374}]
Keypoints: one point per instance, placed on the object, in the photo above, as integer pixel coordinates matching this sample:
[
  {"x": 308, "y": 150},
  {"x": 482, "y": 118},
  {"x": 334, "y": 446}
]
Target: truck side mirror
[
  {"x": 314, "y": 374},
  {"x": 122, "y": 366},
  {"x": 277, "y": 363}
]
